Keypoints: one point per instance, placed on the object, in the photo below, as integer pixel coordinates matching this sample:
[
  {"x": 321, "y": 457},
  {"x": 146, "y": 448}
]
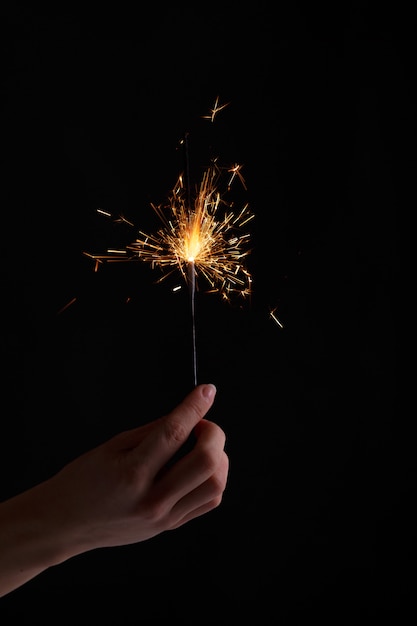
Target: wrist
[{"x": 32, "y": 537}]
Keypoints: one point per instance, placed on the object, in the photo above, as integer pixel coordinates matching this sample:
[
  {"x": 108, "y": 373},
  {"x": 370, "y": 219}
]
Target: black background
[{"x": 316, "y": 518}]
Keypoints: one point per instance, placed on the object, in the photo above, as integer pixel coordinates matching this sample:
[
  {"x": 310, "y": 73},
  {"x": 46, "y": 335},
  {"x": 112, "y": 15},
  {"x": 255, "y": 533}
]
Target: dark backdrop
[{"x": 316, "y": 519}]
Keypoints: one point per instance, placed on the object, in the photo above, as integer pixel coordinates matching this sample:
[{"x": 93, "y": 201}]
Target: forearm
[{"x": 31, "y": 540}]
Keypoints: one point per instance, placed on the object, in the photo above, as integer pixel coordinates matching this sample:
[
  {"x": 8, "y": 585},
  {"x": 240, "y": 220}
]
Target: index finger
[{"x": 172, "y": 430}]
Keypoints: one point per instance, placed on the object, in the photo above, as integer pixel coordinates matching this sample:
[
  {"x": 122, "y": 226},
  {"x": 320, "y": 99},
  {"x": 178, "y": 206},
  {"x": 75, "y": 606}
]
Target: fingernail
[{"x": 209, "y": 391}]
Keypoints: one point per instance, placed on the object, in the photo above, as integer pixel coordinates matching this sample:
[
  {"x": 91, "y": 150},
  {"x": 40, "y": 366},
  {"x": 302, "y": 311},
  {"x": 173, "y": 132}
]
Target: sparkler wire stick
[
  {"x": 191, "y": 280},
  {"x": 191, "y": 266}
]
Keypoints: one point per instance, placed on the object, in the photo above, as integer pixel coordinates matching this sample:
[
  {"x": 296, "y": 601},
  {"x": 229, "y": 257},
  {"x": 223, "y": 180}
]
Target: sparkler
[{"x": 200, "y": 235}]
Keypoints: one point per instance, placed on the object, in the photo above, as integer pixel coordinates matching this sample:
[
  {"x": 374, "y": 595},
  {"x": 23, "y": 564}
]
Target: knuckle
[
  {"x": 218, "y": 484},
  {"x": 154, "y": 511},
  {"x": 218, "y": 479},
  {"x": 215, "y": 502},
  {"x": 135, "y": 477},
  {"x": 175, "y": 431},
  {"x": 208, "y": 460}
]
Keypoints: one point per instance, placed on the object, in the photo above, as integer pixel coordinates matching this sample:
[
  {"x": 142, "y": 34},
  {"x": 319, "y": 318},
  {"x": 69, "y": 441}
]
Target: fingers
[
  {"x": 204, "y": 498},
  {"x": 170, "y": 432},
  {"x": 195, "y": 468}
]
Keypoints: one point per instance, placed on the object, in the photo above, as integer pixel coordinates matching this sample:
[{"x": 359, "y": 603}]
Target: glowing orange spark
[
  {"x": 275, "y": 318},
  {"x": 65, "y": 307},
  {"x": 235, "y": 171},
  {"x": 215, "y": 110}
]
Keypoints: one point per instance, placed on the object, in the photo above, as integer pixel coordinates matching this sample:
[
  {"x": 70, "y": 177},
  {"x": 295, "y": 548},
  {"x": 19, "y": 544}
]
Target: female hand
[{"x": 119, "y": 493}]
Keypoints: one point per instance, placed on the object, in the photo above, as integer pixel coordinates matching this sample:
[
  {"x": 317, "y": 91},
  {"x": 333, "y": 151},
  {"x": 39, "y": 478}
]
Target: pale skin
[{"x": 119, "y": 493}]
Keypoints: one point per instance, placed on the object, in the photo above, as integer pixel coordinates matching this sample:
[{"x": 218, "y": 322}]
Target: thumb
[
  {"x": 172, "y": 431},
  {"x": 193, "y": 408}
]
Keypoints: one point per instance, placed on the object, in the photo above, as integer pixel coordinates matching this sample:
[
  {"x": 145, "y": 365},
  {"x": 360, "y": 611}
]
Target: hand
[{"x": 119, "y": 493}]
